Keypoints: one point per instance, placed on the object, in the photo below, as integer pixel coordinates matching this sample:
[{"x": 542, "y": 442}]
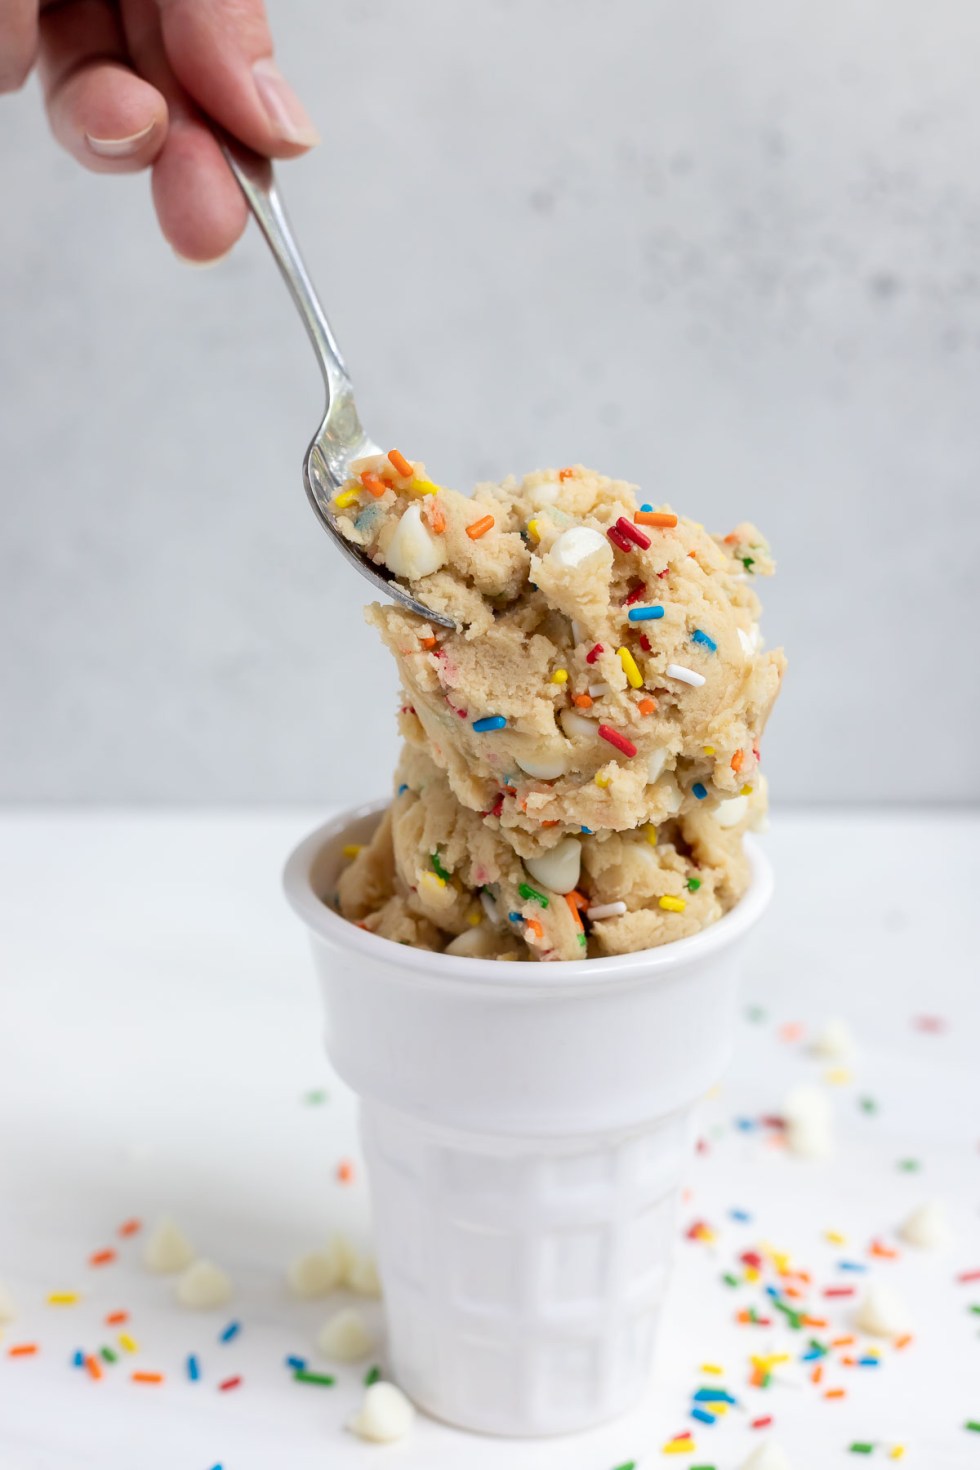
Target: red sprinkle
[
  {"x": 593, "y": 654},
  {"x": 130, "y": 1227},
  {"x": 965, "y": 1276},
  {"x": 618, "y": 539},
  {"x": 229, "y": 1383},
  {"x": 839, "y": 1291},
  {"x": 619, "y": 741},
  {"x": 762, "y": 1423},
  {"x": 645, "y": 643},
  {"x": 633, "y": 533},
  {"x": 116, "y": 1319},
  {"x": 638, "y": 591}
]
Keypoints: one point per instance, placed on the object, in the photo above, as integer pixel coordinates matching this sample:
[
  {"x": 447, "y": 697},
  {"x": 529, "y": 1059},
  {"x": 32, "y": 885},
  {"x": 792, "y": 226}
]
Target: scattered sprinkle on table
[
  {"x": 63, "y": 1298},
  {"x": 102, "y": 1258},
  {"x": 229, "y": 1383},
  {"x": 142, "y": 1377},
  {"x": 229, "y": 1333},
  {"x": 303, "y": 1375}
]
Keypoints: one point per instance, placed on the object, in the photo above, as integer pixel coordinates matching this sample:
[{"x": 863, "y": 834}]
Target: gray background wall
[{"x": 729, "y": 251}]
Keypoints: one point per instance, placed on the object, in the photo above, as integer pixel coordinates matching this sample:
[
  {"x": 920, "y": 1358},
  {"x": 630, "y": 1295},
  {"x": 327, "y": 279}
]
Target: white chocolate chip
[
  {"x": 167, "y": 1248},
  {"x": 558, "y": 869},
  {"x": 750, "y": 641},
  {"x": 578, "y": 545},
  {"x": 835, "y": 1043},
  {"x": 731, "y": 812},
  {"x": 412, "y": 550},
  {"x": 808, "y": 1117},
  {"x": 204, "y": 1285},
  {"x": 545, "y": 764},
  {"x": 385, "y": 1414},
  {"x": 656, "y": 761},
  {"x": 576, "y": 725},
  {"x": 362, "y": 1276},
  {"x": 344, "y": 1336},
  {"x": 319, "y": 1272},
  {"x": 767, "y": 1456},
  {"x": 928, "y": 1227},
  {"x": 882, "y": 1313}
]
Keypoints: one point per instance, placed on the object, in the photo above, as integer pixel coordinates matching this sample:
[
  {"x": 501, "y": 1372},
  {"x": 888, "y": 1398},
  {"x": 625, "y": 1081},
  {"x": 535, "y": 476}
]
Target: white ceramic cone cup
[{"x": 526, "y": 1129}]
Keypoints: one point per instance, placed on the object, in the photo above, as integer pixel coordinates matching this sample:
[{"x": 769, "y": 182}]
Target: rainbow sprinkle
[{"x": 489, "y": 722}]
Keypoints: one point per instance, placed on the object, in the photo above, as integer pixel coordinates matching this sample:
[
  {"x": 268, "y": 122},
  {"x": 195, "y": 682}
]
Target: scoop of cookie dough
[{"x": 590, "y": 728}]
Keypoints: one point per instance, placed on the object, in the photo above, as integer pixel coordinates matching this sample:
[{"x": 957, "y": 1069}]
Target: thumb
[{"x": 221, "y": 52}]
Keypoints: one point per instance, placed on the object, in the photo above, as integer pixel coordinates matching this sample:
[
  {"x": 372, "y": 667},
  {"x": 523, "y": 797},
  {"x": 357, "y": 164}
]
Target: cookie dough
[{"x": 582, "y": 752}]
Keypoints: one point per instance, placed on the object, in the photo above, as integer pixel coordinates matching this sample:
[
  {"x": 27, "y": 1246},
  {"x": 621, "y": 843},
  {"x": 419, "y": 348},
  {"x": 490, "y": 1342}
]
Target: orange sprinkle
[
  {"x": 885, "y": 1252},
  {"x": 400, "y": 463},
  {"x": 129, "y": 1227},
  {"x": 565, "y": 474},
  {"x": 655, "y": 518},
  {"x": 345, "y": 1172},
  {"x": 94, "y": 1366},
  {"x": 835, "y": 1393},
  {"x": 535, "y": 928},
  {"x": 22, "y": 1350},
  {"x": 140, "y": 1377},
  {"x": 848, "y": 1362},
  {"x": 435, "y": 518},
  {"x": 809, "y": 1321},
  {"x": 794, "y": 1292},
  {"x": 693, "y": 554},
  {"x": 584, "y": 701},
  {"x": 817, "y": 1375},
  {"x": 479, "y": 528},
  {"x": 102, "y": 1258},
  {"x": 573, "y": 900},
  {"x": 374, "y": 483},
  {"x": 737, "y": 760},
  {"x": 552, "y": 823},
  {"x": 792, "y": 1031},
  {"x": 116, "y": 1319},
  {"x": 731, "y": 539},
  {"x": 903, "y": 1341},
  {"x": 428, "y": 642},
  {"x": 843, "y": 1341},
  {"x": 647, "y": 706}
]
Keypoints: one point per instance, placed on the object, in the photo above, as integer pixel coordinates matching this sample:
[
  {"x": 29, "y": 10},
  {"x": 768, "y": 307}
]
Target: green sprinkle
[
  {"x": 973, "y": 1425},
  {"x": 702, "y": 1467},
  {"x": 974, "y": 1309},
  {"x": 860, "y": 1448},
  {"x": 315, "y": 1098},
  {"x": 868, "y": 1105},
  {"x": 748, "y": 562},
  {"x": 302, "y": 1376},
  {"x": 729, "y": 1279},
  {"x": 694, "y": 884},
  {"x": 627, "y": 1465},
  {"x": 108, "y": 1355},
  {"x": 793, "y": 1318},
  {"x": 754, "y": 1013},
  {"x": 582, "y": 940},
  {"x": 372, "y": 1375},
  {"x": 439, "y": 869},
  {"x": 909, "y": 1166},
  {"x": 526, "y": 891}
]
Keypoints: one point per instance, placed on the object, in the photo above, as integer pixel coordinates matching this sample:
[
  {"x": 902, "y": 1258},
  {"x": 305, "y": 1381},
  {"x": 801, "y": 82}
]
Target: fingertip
[
  {"x": 200, "y": 207},
  {"x": 109, "y": 119}
]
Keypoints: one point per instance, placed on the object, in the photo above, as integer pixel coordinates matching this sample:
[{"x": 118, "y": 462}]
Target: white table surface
[{"x": 159, "y": 1027}]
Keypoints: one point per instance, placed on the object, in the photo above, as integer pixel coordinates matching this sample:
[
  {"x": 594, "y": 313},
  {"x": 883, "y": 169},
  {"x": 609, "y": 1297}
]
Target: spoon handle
[{"x": 257, "y": 182}]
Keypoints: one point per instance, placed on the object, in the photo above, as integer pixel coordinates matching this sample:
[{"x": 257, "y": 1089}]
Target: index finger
[{"x": 18, "y": 42}]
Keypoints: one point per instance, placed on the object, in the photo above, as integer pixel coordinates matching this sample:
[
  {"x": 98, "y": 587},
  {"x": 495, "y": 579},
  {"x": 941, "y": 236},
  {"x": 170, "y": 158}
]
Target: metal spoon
[{"x": 340, "y": 438}]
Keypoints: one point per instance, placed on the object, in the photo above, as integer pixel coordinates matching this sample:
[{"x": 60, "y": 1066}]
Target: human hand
[{"x": 123, "y": 81}]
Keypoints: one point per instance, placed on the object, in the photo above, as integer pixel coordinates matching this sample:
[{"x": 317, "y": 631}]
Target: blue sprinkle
[
  {"x": 491, "y": 722},
  {"x": 741, "y": 1215},
  {"x": 230, "y": 1332},
  {"x": 193, "y": 1368},
  {"x": 699, "y": 791},
  {"x": 869, "y": 1362},
  {"x": 403, "y": 787},
  {"x": 745, "y": 1124},
  {"x": 773, "y": 1291},
  {"x": 646, "y": 507},
  {"x": 713, "y": 1396},
  {"x": 703, "y": 1416},
  {"x": 851, "y": 1266},
  {"x": 698, "y": 637},
  {"x": 646, "y": 614},
  {"x": 588, "y": 831},
  {"x": 811, "y": 1355},
  {"x": 516, "y": 918},
  {"x": 298, "y": 1365},
  {"x": 78, "y": 1361}
]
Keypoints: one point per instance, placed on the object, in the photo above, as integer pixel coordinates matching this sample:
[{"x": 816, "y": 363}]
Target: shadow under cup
[{"x": 526, "y": 1129}]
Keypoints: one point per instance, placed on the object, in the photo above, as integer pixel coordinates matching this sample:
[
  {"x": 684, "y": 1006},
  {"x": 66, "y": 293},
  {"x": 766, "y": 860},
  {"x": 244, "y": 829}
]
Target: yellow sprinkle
[
  {"x": 752, "y": 1273},
  {"x": 474, "y": 916},
  {"x": 127, "y": 1343},
  {"x": 673, "y": 905},
  {"x": 718, "y": 1409},
  {"x": 433, "y": 880},
  {"x": 560, "y": 676},
  {"x": 709, "y": 750},
  {"x": 534, "y": 529},
  {"x": 714, "y": 1368},
  {"x": 898, "y": 1453},
  {"x": 781, "y": 1260},
  {"x": 745, "y": 791},
  {"x": 352, "y": 849},
  {"x": 345, "y": 498},
  {"x": 62, "y": 1298},
  {"x": 835, "y": 1237},
  {"x": 837, "y": 1076},
  {"x": 633, "y": 676},
  {"x": 872, "y": 1353},
  {"x": 651, "y": 832},
  {"x": 419, "y": 486},
  {"x": 601, "y": 780},
  {"x": 683, "y": 1446}
]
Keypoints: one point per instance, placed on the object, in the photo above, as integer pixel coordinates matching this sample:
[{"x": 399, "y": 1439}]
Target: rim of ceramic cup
[{"x": 325, "y": 921}]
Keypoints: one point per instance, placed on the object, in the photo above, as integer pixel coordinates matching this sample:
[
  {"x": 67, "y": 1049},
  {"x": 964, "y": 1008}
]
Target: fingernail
[
  {"x": 286, "y": 113},
  {"x": 119, "y": 147},
  {"x": 201, "y": 265}
]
